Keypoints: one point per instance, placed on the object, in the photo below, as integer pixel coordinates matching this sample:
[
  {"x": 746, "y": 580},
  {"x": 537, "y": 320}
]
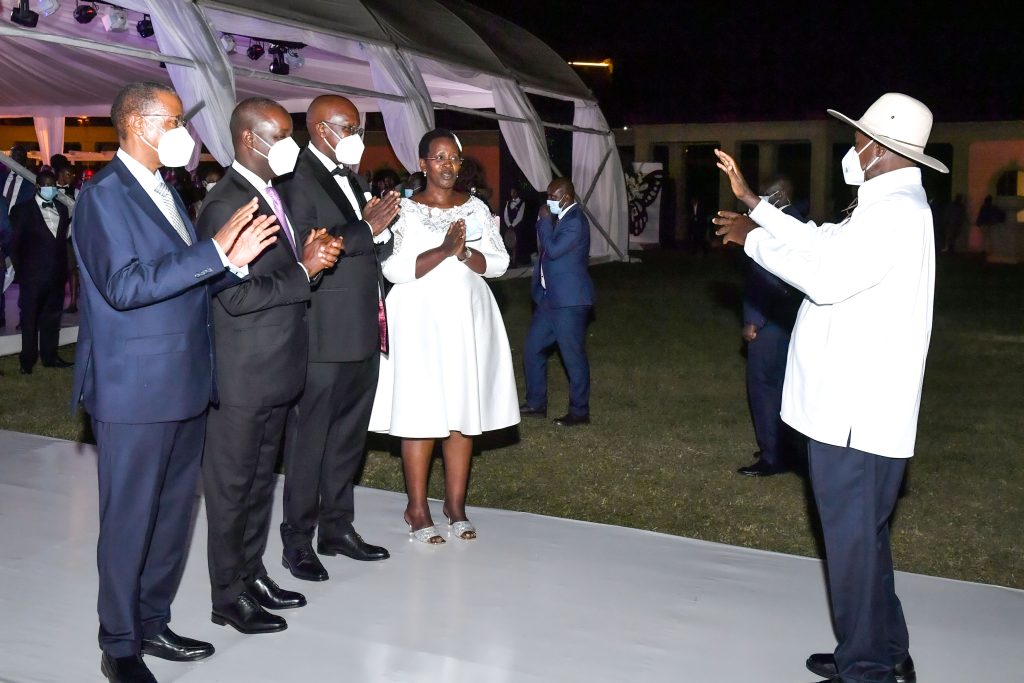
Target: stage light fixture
[
  {"x": 279, "y": 66},
  {"x": 145, "y": 26},
  {"x": 255, "y": 51},
  {"x": 294, "y": 58},
  {"x": 84, "y": 13},
  {"x": 227, "y": 43},
  {"x": 115, "y": 20},
  {"x": 23, "y": 16},
  {"x": 48, "y": 7}
]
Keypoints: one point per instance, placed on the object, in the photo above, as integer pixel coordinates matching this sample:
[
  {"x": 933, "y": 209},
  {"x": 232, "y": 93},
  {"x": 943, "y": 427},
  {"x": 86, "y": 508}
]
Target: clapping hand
[
  {"x": 243, "y": 237},
  {"x": 321, "y": 251},
  {"x": 455, "y": 240},
  {"x": 733, "y": 227},
  {"x": 380, "y": 212}
]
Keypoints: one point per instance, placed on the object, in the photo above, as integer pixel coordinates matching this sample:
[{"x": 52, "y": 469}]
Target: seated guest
[
  {"x": 449, "y": 373},
  {"x": 39, "y": 252}
]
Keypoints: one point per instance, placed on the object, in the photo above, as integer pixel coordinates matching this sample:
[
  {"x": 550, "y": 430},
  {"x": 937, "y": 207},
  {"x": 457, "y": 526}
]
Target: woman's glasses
[{"x": 443, "y": 159}]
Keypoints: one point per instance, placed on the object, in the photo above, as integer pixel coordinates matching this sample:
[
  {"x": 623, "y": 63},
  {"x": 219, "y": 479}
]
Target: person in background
[
  {"x": 414, "y": 184},
  {"x": 769, "y": 310},
  {"x": 564, "y": 295},
  {"x": 39, "y": 252},
  {"x": 5, "y": 247},
  {"x": 66, "y": 185},
  {"x": 955, "y": 218},
  {"x": 512, "y": 218}
]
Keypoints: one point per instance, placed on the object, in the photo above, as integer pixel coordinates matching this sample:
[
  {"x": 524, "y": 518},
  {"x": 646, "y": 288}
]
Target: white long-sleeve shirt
[{"x": 857, "y": 356}]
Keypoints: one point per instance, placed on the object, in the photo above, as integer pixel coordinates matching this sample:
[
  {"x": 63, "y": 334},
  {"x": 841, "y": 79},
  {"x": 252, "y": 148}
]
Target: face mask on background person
[
  {"x": 282, "y": 155},
  {"x": 174, "y": 148},
  {"x": 853, "y": 174},
  {"x": 555, "y": 207},
  {"x": 210, "y": 185},
  {"x": 48, "y": 193},
  {"x": 349, "y": 149},
  {"x": 407, "y": 192}
]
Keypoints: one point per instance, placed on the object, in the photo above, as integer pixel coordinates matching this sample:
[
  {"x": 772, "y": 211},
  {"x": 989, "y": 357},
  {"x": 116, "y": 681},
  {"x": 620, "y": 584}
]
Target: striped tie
[{"x": 170, "y": 211}]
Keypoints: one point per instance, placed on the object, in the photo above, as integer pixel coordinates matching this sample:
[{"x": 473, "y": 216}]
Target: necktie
[
  {"x": 170, "y": 211},
  {"x": 282, "y": 219}
]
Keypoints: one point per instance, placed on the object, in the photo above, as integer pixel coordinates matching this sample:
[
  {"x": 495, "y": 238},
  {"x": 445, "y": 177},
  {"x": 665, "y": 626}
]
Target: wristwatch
[{"x": 466, "y": 255}]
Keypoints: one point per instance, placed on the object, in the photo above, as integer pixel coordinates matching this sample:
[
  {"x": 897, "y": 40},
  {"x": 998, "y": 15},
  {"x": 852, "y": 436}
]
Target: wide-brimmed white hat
[{"x": 900, "y": 123}]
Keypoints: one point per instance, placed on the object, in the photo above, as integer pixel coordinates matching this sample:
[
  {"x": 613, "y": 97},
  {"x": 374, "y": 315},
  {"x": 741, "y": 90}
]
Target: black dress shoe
[
  {"x": 58, "y": 363},
  {"x": 570, "y": 420},
  {"x": 125, "y": 669},
  {"x": 526, "y": 410},
  {"x": 272, "y": 596},
  {"x": 824, "y": 664},
  {"x": 169, "y": 645},
  {"x": 303, "y": 563},
  {"x": 762, "y": 469},
  {"x": 352, "y": 545},
  {"x": 246, "y": 616}
]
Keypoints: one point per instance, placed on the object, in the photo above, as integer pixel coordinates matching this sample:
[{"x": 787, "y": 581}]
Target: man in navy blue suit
[
  {"x": 144, "y": 369},
  {"x": 564, "y": 295}
]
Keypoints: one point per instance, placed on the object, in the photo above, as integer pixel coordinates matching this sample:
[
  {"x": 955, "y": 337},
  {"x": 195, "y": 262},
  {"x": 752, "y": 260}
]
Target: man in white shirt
[{"x": 856, "y": 366}]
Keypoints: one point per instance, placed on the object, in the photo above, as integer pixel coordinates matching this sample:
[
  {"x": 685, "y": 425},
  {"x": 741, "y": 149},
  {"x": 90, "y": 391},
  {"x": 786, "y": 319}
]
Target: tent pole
[
  {"x": 84, "y": 43},
  {"x": 593, "y": 219},
  {"x": 600, "y": 170}
]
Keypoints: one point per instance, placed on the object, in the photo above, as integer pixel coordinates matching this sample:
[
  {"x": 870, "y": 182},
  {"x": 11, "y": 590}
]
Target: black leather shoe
[
  {"x": 762, "y": 469},
  {"x": 570, "y": 420},
  {"x": 272, "y": 596},
  {"x": 303, "y": 563},
  {"x": 58, "y": 363},
  {"x": 169, "y": 645},
  {"x": 125, "y": 669},
  {"x": 352, "y": 545},
  {"x": 824, "y": 664},
  {"x": 526, "y": 410},
  {"x": 246, "y": 616}
]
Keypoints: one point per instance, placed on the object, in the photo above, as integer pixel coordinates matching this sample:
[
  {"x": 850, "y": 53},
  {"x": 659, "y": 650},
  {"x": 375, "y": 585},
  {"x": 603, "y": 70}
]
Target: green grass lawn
[{"x": 670, "y": 422}]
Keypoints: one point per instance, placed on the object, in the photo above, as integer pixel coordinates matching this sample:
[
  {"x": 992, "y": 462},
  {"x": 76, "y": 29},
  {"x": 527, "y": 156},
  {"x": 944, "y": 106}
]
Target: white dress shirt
[
  {"x": 150, "y": 181},
  {"x": 261, "y": 186},
  {"x": 857, "y": 355},
  {"x": 349, "y": 191},
  {"x": 16, "y": 180},
  {"x": 50, "y": 215}
]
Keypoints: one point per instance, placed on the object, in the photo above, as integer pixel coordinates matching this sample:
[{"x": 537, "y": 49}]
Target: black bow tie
[
  {"x": 48, "y": 205},
  {"x": 343, "y": 172}
]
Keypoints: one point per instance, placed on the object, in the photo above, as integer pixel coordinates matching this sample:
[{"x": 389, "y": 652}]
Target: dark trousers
[
  {"x": 41, "y": 305},
  {"x": 324, "y": 449},
  {"x": 148, "y": 477},
  {"x": 766, "y": 370},
  {"x": 567, "y": 328},
  {"x": 242, "y": 446},
  {"x": 856, "y": 493}
]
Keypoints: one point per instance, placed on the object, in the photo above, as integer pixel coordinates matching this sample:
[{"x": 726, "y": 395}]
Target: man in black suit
[
  {"x": 347, "y": 333},
  {"x": 260, "y": 348},
  {"x": 14, "y": 190},
  {"x": 39, "y": 253}
]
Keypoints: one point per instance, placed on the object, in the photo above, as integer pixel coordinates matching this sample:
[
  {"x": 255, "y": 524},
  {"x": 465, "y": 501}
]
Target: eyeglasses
[
  {"x": 179, "y": 121},
  {"x": 444, "y": 159},
  {"x": 346, "y": 128}
]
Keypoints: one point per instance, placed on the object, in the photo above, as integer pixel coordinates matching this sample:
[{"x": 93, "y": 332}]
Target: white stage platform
[{"x": 534, "y": 599}]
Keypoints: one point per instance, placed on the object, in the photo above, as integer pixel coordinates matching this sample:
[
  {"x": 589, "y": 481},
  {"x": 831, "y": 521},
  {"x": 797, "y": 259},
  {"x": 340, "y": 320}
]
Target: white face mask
[
  {"x": 853, "y": 174},
  {"x": 349, "y": 149},
  {"x": 209, "y": 186},
  {"x": 174, "y": 148},
  {"x": 408, "y": 192},
  {"x": 282, "y": 155},
  {"x": 554, "y": 207}
]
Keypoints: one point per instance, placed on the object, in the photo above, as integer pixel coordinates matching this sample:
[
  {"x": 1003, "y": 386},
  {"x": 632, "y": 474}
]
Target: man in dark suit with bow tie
[
  {"x": 144, "y": 369},
  {"x": 326, "y": 438},
  {"x": 261, "y": 348},
  {"x": 39, "y": 231}
]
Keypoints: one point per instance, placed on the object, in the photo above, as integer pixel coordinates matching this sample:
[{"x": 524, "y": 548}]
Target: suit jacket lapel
[
  {"x": 264, "y": 208},
  {"x": 330, "y": 185},
  {"x": 147, "y": 205}
]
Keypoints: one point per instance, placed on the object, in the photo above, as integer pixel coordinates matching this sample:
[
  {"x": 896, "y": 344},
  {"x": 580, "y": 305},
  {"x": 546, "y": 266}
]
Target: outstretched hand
[{"x": 737, "y": 182}]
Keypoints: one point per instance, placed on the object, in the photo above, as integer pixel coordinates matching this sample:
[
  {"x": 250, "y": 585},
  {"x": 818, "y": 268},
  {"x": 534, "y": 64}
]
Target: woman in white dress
[{"x": 448, "y": 375}]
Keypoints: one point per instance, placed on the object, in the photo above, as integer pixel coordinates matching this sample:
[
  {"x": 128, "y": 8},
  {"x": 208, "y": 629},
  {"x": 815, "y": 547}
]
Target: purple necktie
[{"x": 282, "y": 219}]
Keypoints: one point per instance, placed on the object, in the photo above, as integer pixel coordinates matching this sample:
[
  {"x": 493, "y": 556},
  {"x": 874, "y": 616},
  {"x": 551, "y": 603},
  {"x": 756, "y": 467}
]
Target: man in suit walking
[
  {"x": 144, "y": 369},
  {"x": 564, "y": 295},
  {"x": 260, "y": 351},
  {"x": 39, "y": 252},
  {"x": 326, "y": 438}
]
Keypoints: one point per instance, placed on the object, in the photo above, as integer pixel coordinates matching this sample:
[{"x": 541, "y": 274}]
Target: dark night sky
[{"x": 734, "y": 61}]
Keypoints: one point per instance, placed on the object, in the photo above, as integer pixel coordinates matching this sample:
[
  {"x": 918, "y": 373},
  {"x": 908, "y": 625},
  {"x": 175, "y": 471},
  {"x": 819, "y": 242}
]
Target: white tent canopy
[{"x": 402, "y": 59}]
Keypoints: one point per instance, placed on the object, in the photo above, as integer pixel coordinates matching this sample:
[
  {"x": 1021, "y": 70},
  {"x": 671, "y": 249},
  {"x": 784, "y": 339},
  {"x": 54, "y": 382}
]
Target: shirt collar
[
  {"x": 253, "y": 179},
  {"x": 885, "y": 184},
  {"x": 328, "y": 164},
  {"x": 150, "y": 180},
  {"x": 567, "y": 209}
]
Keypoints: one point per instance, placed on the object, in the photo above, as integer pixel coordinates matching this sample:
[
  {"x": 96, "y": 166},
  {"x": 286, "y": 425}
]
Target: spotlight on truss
[
  {"x": 294, "y": 58},
  {"x": 279, "y": 66},
  {"x": 115, "y": 20},
  {"x": 145, "y": 26},
  {"x": 84, "y": 13},
  {"x": 48, "y": 7},
  {"x": 255, "y": 51},
  {"x": 227, "y": 43},
  {"x": 23, "y": 16}
]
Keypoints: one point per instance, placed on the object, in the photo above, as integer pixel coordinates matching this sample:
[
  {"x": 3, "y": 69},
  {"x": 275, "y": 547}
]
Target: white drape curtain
[
  {"x": 525, "y": 141},
  {"x": 49, "y": 135},
  {"x": 183, "y": 31},
  {"x": 406, "y": 122},
  {"x": 607, "y": 202}
]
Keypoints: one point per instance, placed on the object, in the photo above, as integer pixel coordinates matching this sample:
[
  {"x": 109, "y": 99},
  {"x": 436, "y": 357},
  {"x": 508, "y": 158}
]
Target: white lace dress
[{"x": 450, "y": 365}]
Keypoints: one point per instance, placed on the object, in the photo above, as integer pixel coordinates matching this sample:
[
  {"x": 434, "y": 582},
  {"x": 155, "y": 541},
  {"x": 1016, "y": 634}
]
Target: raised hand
[
  {"x": 252, "y": 240},
  {"x": 455, "y": 239},
  {"x": 739, "y": 185},
  {"x": 379, "y": 212},
  {"x": 229, "y": 232},
  {"x": 733, "y": 227},
  {"x": 321, "y": 251}
]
